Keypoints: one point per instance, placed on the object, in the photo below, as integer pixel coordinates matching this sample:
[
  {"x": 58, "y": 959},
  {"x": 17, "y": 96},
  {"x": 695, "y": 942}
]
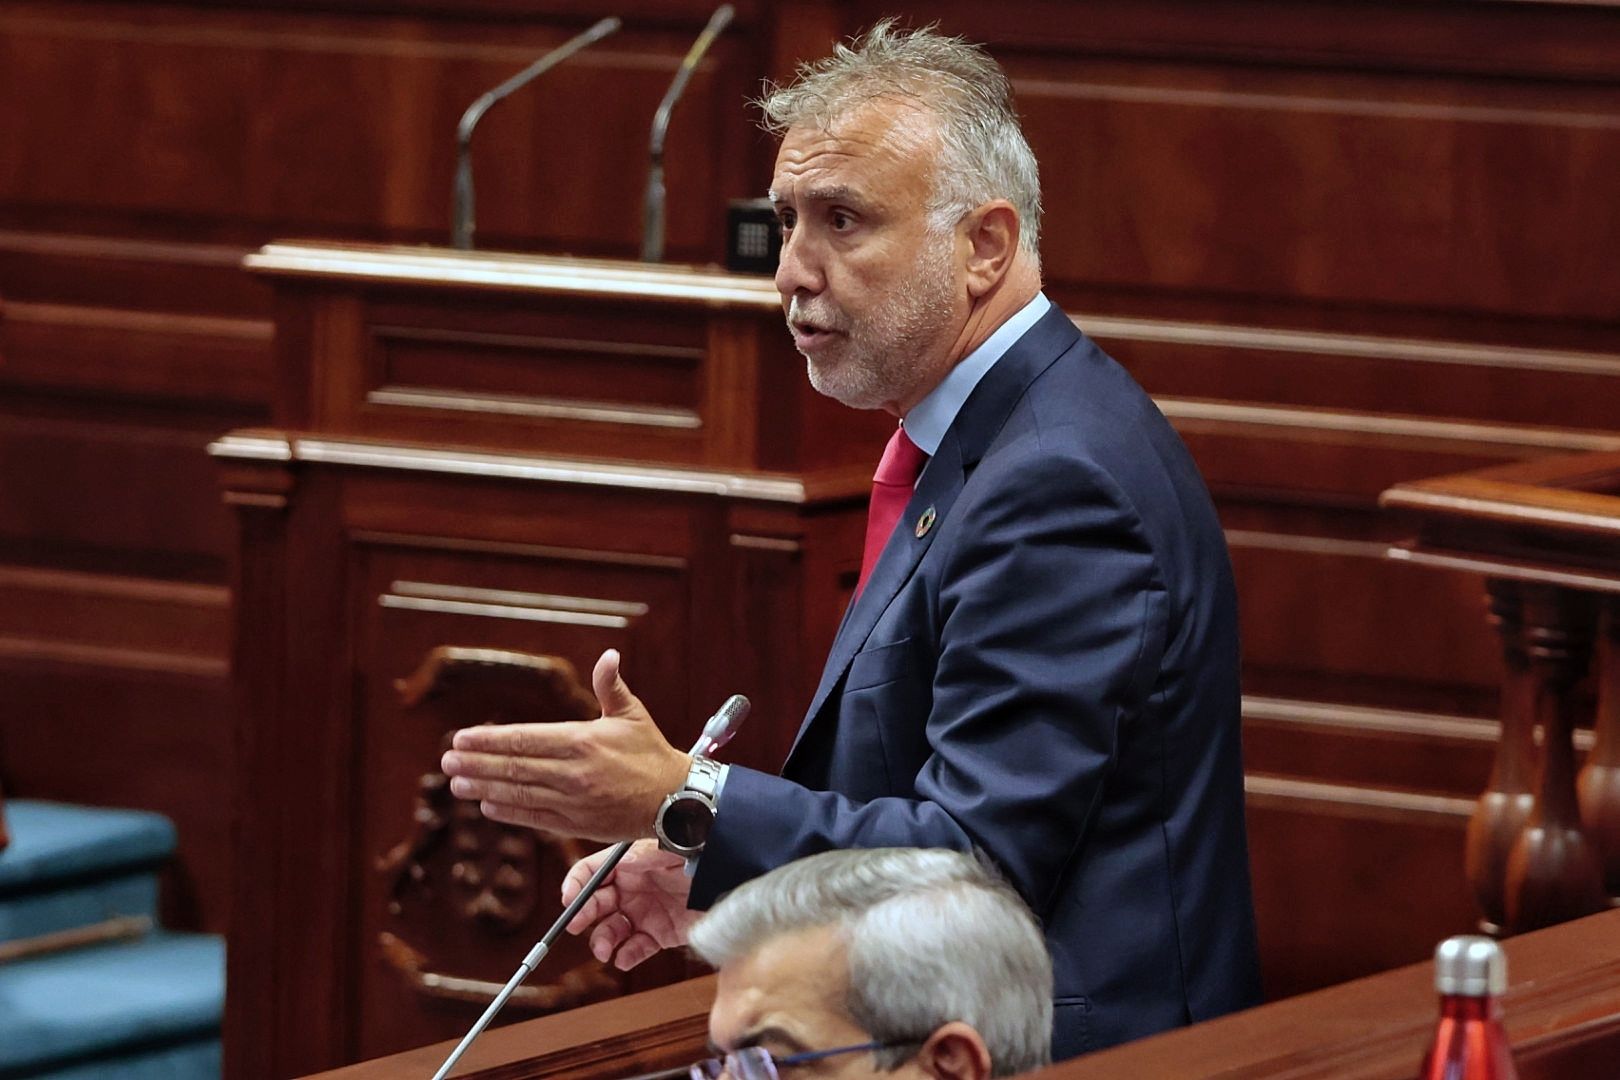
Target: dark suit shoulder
[{"x": 1085, "y": 420}]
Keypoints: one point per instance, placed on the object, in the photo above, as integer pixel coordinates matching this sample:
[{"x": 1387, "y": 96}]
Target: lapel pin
[{"x": 926, "y": 522}]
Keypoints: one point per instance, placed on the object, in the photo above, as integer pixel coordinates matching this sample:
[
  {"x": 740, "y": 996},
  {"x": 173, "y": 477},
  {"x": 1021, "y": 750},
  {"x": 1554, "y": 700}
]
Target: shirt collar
[{"x": 928, "y": 421}]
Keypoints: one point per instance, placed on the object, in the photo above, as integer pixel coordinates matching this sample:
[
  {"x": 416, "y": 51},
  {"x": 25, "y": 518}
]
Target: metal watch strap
[{"x": 703, "y": 777}]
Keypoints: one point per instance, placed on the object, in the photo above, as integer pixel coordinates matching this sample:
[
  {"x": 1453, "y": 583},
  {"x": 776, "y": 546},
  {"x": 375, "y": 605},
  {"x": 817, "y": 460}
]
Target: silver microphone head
[{"x": 722, "y": 725}]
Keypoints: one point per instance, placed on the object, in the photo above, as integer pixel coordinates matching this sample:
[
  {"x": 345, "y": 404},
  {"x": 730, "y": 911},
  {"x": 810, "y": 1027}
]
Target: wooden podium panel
[
  {"x": 577, "y": 357},
  {"x": 548, "y": 457}
]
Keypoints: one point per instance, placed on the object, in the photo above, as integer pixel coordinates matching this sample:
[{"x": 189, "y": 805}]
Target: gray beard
[{"x": 885, "y": 357}]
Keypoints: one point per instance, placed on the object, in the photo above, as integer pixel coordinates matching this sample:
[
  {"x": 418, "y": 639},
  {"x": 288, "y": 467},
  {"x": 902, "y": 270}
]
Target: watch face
[{"x": 687, "y": 822}]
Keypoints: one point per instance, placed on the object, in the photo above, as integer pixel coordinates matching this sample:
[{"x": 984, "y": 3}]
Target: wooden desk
[{"x": 1562, "y": 1014}]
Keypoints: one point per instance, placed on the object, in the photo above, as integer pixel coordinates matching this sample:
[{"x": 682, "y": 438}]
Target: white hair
[
  {"x": 983, "y": 154},
  {"x": 932, "y": 936}
]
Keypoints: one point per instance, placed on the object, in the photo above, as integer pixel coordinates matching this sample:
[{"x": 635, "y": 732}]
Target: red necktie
[{"x": 892, "y": 485}]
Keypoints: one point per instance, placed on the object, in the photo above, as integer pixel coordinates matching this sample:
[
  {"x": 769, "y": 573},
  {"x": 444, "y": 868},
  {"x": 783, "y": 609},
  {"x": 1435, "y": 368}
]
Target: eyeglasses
[{"x": 758, "y": 1063}]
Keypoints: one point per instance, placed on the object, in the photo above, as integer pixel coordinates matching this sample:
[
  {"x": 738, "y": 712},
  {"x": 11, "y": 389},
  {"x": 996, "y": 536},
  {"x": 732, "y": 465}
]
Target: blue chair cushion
[
  {"x": 165, "y": 989},
  {"x": 199, "y": 1060},
  {"x": 35, "y": 914},
  {"x": 54, "y": 843}
]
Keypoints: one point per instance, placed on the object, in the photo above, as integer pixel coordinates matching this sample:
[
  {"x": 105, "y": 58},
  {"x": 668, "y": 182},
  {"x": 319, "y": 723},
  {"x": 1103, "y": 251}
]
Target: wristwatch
[{"x": 687, "y": 815}]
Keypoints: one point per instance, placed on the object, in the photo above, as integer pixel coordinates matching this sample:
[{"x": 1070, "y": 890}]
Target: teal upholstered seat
[
  {"x": 146, "y": 1008},
  {"x": 158, "y": 996},
  {"x": 53, "y": 842},
  {"x": 71, "y": 866}
]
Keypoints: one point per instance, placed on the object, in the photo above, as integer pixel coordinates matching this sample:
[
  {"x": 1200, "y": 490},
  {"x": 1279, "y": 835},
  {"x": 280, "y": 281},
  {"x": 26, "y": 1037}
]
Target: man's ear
[
  {"x": 991, "y": 232},
  {"x": 955, "y": 1052}
]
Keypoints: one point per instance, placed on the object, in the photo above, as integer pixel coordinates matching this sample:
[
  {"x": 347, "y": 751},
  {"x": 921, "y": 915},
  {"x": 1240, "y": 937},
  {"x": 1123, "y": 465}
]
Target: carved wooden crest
[{"x": 467, "y": 896}]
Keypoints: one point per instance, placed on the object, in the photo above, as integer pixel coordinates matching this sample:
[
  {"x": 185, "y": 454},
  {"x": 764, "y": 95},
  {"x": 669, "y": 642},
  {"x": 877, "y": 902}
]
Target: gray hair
[
  {"x": 983, "y": 154},
  {"x": 932, "y": 936}
]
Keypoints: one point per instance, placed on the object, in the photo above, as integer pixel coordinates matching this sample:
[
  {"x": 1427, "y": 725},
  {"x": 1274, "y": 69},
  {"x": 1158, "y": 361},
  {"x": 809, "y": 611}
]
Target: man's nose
[{"x": 798, "y": 269}]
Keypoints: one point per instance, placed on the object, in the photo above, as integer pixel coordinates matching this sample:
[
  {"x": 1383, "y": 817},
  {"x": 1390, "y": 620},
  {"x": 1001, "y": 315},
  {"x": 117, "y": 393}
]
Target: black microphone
[
  {"x": 461, "y": 220},
  {"x": 716, "y": 733},
  {"x": 652, "y": 218}
]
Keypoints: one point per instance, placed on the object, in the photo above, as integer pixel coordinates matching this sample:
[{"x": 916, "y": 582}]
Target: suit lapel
[
  {"x": 981, "y": 418},
  {"x": 938, "y": 487}
]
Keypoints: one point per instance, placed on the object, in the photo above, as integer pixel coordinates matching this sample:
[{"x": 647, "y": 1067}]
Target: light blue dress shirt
[{"x": 928, "y": 421}]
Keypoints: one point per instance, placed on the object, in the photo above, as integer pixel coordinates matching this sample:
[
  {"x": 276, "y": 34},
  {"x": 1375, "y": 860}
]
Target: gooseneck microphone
[
  {"x": 721, "y": 726},
  {"x": 461, "y": 219},
  {"x": 652, "y": 217},
  {"x": 716, "y": 733}
]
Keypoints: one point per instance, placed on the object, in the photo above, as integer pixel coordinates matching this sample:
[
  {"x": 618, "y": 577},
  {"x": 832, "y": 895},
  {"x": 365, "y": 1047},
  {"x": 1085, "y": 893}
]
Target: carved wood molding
[
  {"x": 1354, "y": 426},
  {"x": 1358, "y": 718},
  {"x": 262, "y": 446},
  {"x": 1356, "y": 799},
  {"x": 1107, "y": 328},
  {"x": 512, "y": 604},
  {"x": 461, "y": 886},
  {"x": 536, "y": 408}
]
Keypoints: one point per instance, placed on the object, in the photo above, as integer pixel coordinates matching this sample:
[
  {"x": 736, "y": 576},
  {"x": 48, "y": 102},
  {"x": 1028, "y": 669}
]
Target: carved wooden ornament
[{"x": 468, "y": 896}]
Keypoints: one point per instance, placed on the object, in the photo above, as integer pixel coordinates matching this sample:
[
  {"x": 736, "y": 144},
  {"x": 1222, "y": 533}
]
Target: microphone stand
[
  {"x": 461, "y": 221},
  {"x": 716, "y": 733},
  {"x": 652, "y": 219}
]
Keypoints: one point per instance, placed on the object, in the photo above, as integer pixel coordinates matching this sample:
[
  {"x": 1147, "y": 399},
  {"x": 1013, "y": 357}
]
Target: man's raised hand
[{"x": 596, "y": 779}]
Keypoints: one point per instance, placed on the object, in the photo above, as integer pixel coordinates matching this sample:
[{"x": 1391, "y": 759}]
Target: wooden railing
[{"x": 1544, "y": 841}]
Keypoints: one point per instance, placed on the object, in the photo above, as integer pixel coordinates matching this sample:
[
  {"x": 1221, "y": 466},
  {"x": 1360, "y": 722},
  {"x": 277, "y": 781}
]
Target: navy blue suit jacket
[{"x": 1049, "y": 673}]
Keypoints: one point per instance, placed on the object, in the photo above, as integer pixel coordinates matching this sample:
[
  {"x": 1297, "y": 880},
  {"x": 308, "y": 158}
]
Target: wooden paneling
[
  {"x": 1310, "y": 154},
  {"x": 1346, "y": 848},
  {"x": 109, "y": 271},
  {"x": 1340, "y": 612},
  {"x": 1432, "y": 754},
  {"x": 1313, "y": 186},
  {"x": 119, "y": 361},
  {"x": 252, "y": 123},
  {"x": 116, "y": 695},
  {"x": 532, "y": 364},
  {"x": 1559, "y": 1014},
  {"x": 80, "y": 720},
  {"x": 1356, "y": 821},
  {"x": 588, "y": 357},
  {"x": 174, "y": 626},
  {"x": 1363, "y": 373},
  {"x": 109, "y": 495},
  {"x": 183, "y": 356}
]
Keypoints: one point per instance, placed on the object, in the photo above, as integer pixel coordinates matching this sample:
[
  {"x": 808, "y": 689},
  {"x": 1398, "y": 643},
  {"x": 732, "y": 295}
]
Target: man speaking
[{"x": 1041, "y": 659}]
